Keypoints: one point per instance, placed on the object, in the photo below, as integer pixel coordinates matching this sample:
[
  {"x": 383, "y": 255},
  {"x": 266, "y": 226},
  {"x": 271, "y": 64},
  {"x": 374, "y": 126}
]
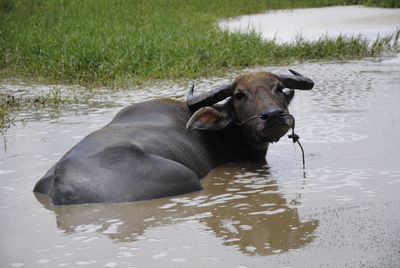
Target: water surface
[
  {"x": 344, "y": 210},
  {"x": 312, "y": 23}
]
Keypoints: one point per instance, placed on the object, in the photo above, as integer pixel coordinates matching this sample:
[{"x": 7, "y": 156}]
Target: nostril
[
  {"x": 272, "y": 112},
  {"x": 264, "y": 114}
]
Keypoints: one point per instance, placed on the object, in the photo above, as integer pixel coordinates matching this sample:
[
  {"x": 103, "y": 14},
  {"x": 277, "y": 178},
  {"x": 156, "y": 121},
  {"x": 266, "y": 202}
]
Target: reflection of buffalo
[
  {"x": 241, "y": 206},
  {"x": 162, "y": 147},
  {"x": 263, "y": 222}
]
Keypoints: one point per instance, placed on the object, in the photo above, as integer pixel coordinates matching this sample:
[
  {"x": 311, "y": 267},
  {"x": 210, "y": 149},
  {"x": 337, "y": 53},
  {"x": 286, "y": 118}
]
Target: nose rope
[
  {"x": 295, "y": 139},
  {"x": 248, "y": 119},
  {"x": 292, "y": 136}
]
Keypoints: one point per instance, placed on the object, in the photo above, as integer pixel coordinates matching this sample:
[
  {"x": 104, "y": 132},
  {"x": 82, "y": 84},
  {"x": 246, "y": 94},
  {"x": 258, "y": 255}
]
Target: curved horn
[
  {"x": 296, "y": 81},
  {"x": 209, "y": 98}
]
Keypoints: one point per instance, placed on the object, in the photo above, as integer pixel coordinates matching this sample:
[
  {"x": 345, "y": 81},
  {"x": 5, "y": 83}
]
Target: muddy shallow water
[
  {"x": 343, "y": 210},
  {"x": 312, "y": 23}
]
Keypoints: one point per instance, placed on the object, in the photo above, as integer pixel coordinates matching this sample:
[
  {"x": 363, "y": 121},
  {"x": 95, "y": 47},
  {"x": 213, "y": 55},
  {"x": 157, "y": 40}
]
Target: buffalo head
[{"x": 257, "y": 104}]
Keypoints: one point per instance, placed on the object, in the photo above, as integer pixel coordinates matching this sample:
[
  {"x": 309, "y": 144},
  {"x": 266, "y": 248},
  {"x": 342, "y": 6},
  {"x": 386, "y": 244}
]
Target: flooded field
[
  {"x": 344, "y": 209},
  {"x": 312, "y": 23}
]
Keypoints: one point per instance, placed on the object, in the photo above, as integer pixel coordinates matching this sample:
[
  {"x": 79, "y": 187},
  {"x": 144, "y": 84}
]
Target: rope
[
  {"x": 292, "y": 136},
  {"x": 295, "y": 139},
  {"x": 247, "y": 120}
]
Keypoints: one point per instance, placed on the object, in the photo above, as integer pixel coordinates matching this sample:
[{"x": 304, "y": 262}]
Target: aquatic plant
[
  {"x": 6, "y": 118},
  {"x": 390, "y": 42},
  {"x": 108, "y": 42},
  {"x": 10, "y": 105}
]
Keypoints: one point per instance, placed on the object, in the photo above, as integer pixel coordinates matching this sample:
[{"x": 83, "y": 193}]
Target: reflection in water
[
  {"x": 349, "y": 126},
  {"x": 256, "y": 218},
  {"x": 5, "y": 144},
  {"x": 241, "y": 205}
]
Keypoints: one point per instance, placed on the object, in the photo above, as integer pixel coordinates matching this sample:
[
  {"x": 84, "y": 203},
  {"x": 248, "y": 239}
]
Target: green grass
[
  {"x": 6, "y": 118},
  {"x": 10, "y": 104},
  {"x": 104, "y": 41}
]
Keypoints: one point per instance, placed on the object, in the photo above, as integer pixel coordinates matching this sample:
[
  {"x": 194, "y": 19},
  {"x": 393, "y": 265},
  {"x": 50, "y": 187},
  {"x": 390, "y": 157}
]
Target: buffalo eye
[{"x": 239, "y": 95}]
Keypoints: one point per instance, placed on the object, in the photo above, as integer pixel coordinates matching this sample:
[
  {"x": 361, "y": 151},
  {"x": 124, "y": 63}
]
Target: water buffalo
[{"x": 164, "y": 147}]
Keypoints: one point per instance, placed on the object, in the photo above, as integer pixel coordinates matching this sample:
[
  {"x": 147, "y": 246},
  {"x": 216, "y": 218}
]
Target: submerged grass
[
  {"x": 10, "y": 103},
  {"x": 101, "y": 41},
  {"x": 6, "y": 118}
]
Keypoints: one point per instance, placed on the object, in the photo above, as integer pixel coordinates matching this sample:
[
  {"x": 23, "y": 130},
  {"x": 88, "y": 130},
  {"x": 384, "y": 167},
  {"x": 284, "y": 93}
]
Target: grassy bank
[{"x": 106, "y": 41}]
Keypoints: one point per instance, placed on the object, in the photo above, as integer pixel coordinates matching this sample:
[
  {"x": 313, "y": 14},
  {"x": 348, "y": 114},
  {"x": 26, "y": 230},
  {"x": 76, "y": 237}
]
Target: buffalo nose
[{"x": 272, "y": 112}]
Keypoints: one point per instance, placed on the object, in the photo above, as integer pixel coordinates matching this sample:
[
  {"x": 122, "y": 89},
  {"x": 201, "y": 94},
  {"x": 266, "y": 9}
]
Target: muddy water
[
  {"x": 312, "y": 23},
  {"x": 343, "y": 210}
]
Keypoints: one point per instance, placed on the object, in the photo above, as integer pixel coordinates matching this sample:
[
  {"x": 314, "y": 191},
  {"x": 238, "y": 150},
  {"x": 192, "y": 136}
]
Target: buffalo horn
[
  {"x": 209, "y": 98},
  {"x": 296, "y": 81}
]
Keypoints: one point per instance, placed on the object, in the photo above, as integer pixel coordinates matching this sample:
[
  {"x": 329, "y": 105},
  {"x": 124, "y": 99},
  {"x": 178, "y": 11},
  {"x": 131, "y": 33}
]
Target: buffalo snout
[
  {"x": 272, "y": 113},
  {"x": 274, "y": 123}
]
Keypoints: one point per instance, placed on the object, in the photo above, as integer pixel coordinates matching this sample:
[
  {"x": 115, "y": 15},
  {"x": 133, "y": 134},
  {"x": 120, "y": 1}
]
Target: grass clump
[
  {"x": 6, "y": 118},
  {"x": 106, "y": 41},
  {"x": 10, "y": 104},
  {"x": 52, "y": 99}
]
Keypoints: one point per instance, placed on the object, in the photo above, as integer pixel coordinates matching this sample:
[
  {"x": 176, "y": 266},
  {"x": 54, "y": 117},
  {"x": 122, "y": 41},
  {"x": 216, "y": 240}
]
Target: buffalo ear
[{"x": 209, "y": 118}]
